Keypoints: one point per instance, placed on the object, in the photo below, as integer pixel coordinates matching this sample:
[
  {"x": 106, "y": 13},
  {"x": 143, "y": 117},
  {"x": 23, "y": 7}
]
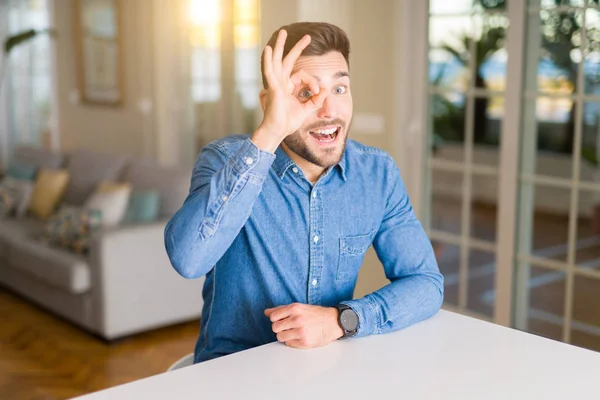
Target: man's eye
[
  {"x": 305, "y": 93},
  {"x": 340, "y": 90}
]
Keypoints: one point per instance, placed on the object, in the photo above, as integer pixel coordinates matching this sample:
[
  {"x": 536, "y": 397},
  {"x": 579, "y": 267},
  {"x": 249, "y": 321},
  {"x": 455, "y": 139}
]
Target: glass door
[
  {"x": 467, "y": 83},
  {"x": 558, "y": 230},
  {"x": 512, "y": 186}
]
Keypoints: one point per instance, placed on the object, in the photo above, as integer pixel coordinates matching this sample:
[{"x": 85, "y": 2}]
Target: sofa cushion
[
  {"x": 8, "y": 201},
  {"x": 39, "y": 157},
  {"x": 57, "y": 267},
  {"x": 21, "y": 170},
  {"x": 144, "y": 207},
  {"x": 87, "y": 169},
  {"x": 49, "y": 188},
  {"x": 172, "y": 183},
  {"x": 14, "y": 230},
  {"x": 111, "y": 200},
  {"x": 14, "y": 196}
]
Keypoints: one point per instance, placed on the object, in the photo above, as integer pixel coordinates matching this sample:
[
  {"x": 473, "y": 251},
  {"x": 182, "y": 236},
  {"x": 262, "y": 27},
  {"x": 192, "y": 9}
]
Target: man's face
[{"x": 321, "y": 140}]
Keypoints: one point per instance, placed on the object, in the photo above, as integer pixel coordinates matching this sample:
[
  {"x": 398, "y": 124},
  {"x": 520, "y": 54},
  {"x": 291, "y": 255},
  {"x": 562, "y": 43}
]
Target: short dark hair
[{"x": 325, "y": 37}]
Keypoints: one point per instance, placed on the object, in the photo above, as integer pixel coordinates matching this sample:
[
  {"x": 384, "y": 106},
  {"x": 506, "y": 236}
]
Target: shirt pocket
[{"x": 352, "y": 253}]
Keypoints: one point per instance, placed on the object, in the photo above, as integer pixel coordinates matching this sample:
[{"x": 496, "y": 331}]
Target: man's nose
[{"x": 329, "y": 108}]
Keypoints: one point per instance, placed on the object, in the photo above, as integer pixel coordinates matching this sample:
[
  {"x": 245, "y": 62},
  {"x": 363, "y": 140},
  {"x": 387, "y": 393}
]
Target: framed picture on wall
[{"x": 99, "y": 54}]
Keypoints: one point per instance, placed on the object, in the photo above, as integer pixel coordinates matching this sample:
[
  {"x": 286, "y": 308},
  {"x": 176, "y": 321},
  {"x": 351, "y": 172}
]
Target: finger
[
  {"x": 284, "y": 312},
  {"x": 297, "y": 344},
  {"x": 303, "y": 78},
  {"x": 316, "y": 101},
  {"x": 291, "y": 334},
  {"x": 278, "y": 52},
  {"x": 285, "y": 324},
  {"x": 292, "y": 56},
  {"x": 268, "y": 311},
  {"x": 268, "y": 66}
]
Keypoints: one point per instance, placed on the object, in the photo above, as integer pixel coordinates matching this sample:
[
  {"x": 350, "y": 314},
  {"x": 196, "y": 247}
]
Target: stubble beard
[{"x": 297, "y": 143}]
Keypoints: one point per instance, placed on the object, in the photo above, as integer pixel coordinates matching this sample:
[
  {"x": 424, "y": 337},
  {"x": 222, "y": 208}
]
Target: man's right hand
[{"x": 289, "y": 99}]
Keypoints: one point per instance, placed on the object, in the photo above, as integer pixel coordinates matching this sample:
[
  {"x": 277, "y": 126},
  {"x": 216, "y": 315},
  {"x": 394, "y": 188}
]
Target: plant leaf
[{"x": 12, "y": 41}]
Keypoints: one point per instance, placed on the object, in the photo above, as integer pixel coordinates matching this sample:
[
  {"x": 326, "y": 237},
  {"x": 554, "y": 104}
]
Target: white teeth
[{"x": 326, "y": 131}]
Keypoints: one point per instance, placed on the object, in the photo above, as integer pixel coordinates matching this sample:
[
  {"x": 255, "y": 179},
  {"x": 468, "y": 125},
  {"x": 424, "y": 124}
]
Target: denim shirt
[{"x": 264, "y": 236}]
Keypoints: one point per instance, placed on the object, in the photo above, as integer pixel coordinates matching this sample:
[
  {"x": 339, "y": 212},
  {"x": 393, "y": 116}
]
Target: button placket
[{"x": 316, "y": 249}]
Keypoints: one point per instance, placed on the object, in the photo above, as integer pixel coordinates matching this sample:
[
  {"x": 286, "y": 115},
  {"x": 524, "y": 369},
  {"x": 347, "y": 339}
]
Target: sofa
[{"x": 124, "y": 283}]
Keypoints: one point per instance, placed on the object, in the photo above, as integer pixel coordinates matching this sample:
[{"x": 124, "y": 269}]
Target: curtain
[{"x": 25, "y": 95}]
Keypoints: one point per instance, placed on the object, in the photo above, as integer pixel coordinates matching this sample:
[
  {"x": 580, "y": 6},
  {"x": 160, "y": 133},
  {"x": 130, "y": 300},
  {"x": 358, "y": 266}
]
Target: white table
[{"x": 449, "y": 356}]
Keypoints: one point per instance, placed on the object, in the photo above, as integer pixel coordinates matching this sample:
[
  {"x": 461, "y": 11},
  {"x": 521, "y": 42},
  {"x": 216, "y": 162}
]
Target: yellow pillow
[{"x": 50, "y": 186}]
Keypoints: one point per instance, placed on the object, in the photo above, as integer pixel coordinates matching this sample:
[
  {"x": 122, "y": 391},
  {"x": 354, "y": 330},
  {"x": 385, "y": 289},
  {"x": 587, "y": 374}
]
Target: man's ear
[{"x": 262, "y": 96}]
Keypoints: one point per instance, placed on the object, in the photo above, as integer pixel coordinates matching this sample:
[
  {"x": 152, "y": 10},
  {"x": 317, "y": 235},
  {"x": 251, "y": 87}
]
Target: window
[
  {"x": 26, "y": 92},
  {"x": 226, "y": 75},
  {"x": 512, "y": 162}
]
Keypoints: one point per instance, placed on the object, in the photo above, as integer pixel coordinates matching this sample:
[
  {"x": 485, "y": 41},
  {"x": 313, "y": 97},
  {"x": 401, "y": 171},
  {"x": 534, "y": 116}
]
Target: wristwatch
[{"x": 348, "y": 320}]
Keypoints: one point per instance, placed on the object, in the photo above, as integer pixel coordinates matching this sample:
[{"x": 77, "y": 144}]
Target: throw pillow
[
  {"x": 71, "y": 228},
  {"x": 19, "y": 191},
  {"x": 50, "y": 186},
  {"x": 111, "y": 199},
  {"x": 108, "y": 186},
  {"x": 8, "y": 200},
  {"x": 144, "y": 207},
  {"x": 21, "y": 170}
]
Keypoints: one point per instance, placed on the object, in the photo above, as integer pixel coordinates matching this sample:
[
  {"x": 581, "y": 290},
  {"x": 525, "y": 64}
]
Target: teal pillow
[
  {"x": 144, "y": 206},
  {"x": 20, "y": 170}
]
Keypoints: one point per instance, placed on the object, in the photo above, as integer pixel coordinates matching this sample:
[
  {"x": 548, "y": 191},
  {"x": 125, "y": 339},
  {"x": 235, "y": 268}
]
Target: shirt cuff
[
  {"x": 249, "y": 158},
  {"x": 366, "y": 310}
]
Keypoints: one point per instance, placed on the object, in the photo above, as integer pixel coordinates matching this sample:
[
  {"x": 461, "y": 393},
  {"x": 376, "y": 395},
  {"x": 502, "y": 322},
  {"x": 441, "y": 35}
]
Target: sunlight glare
[{"x": 204, "y": 12}]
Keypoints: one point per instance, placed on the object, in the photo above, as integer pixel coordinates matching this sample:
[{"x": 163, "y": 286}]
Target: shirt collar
[{"x": 283, "y": 162}]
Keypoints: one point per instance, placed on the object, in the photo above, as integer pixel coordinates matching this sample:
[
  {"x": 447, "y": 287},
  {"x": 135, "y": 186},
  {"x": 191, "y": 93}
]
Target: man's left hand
[{"x": 304, "y": 326}]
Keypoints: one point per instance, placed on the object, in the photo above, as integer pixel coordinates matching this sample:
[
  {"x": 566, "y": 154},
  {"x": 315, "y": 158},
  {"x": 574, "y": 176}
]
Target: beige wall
[
  {"x": 124, "y": 129},
  {"x": 373, "y": 81}
]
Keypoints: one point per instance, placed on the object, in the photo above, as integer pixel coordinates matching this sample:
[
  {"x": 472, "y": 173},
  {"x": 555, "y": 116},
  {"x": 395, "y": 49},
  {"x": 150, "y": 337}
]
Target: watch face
[{"x": 349, "y": 320}]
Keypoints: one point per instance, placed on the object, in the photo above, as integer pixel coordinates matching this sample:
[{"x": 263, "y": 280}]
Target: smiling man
[{"x": 279, "y": 221}]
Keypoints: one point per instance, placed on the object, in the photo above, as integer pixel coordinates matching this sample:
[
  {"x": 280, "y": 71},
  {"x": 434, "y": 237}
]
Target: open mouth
[{"x": 325, "y": 135}]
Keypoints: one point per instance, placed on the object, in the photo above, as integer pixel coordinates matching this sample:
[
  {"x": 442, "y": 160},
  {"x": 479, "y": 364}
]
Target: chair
[{"x": 184, "y": 361}]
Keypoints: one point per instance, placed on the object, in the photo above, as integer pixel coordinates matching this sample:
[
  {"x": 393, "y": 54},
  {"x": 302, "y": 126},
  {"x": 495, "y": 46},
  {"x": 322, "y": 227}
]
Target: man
[{"x": 279, "y": 221}]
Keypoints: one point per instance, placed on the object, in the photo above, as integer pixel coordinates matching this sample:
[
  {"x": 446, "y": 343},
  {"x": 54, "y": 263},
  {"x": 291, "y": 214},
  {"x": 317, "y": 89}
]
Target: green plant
[{"x": 18, "y": 39}]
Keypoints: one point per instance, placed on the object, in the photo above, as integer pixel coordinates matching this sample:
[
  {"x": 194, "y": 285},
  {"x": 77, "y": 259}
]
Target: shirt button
[
  {"x": 249, "y": 160},
  {"x": 316, "y": 239},
  {"x": 315, "y": 194},
  {"x": 225, "y": 198},
  {"x": 314, "y": 282},
  {"x": 295, "y": 170}
]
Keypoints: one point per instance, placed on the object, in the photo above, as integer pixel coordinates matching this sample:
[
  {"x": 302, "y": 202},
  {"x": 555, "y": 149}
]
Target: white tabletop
[{"x": 449, "y": 356}]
